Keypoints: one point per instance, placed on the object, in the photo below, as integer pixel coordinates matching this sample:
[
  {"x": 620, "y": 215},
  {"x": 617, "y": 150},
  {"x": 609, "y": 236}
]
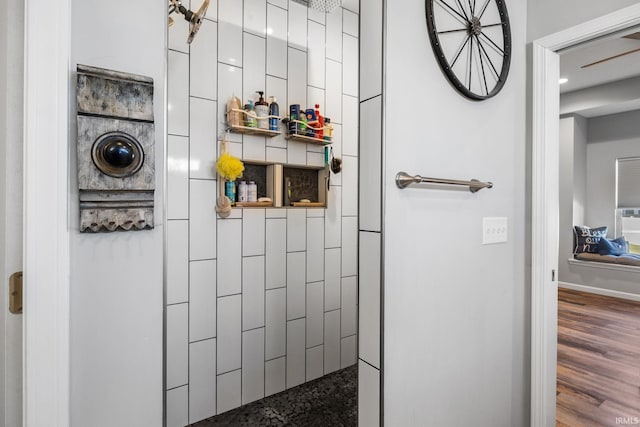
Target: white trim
[
  {"x": 604, "y": 265},
  {"x": 599, "y": 291},
  {"x": 544, "y": 213},
  {"x": 46, "y": 236}
]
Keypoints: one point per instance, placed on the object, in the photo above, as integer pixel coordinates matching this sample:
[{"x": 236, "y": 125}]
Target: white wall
[
  {"x": 549, "y": 16},
  {"x": 11, "y": 85},
  {"x": 264, "y": 300},
  {"x": 455, "y": 321},
  {"x": 117, "y": 278}
]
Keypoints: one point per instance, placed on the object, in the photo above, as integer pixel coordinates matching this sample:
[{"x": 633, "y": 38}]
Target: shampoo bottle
[
  {"x": 250, "y": 120},
  {"x": 262, "y": 111},
  {"x": 274, "y": 110}
]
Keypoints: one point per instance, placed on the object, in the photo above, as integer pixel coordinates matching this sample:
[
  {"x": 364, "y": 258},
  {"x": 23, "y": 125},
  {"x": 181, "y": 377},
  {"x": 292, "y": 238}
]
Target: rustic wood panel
[{"x": 598, "y": 360}]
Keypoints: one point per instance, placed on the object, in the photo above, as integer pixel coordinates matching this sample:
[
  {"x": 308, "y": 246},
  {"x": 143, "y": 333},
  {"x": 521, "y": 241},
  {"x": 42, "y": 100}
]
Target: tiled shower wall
[{"x": 266, "y": 299}]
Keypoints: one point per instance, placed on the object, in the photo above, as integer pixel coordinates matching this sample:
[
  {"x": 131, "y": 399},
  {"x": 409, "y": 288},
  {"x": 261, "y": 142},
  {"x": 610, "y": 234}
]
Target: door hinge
[{"x": 15, "y": 293}]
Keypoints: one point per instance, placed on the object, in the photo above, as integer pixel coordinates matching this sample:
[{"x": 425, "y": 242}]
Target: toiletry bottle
[
  {"x": 262, "y": 111},
  {"x": 274, "y": 110},
  {"x": 252, "y": 192},
  {"x": 328, "y": 129},
  {"x": 320, "y": 132},
  {"x": 250, "y": 120},
  {"x": 312, "y": 122},
  {"x": 230, "y": 191},
  {"x": 303, "y": 126},
  {"x": 234, "y": 117},
  {"x": 242, "y": 192},
  {"x": 294, "y": 114}
]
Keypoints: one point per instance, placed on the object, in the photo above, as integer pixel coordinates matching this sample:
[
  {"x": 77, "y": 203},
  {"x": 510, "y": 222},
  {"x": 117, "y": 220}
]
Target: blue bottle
[
  {"x": 312, "y": 121},
  {"x": 274, "y": 110}
]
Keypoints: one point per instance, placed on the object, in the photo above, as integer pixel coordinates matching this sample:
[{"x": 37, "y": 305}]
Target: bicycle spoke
[
  {"x": 452, "y": 11},
  {"x": 484, "y": 76},
  {"x": 492, "y": 25},
  {"x": 484, "y": 8},
  {"x": 470, "y": 8},
  {"x": 452, "y": 31},
  {"x": 470, "y": 61},
  {"x": 486, "y": 55},
  {"x": 493, "y": 43},
  {"x": 464, "y": 12},
  {"x": 460, "y": 51}
]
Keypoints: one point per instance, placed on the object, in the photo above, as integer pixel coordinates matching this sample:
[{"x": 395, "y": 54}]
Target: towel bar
[{"x": 403, "y": 180}]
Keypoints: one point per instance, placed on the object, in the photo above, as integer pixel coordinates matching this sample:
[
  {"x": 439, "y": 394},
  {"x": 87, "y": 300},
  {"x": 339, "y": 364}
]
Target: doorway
[{"x": 545, "y": 202}]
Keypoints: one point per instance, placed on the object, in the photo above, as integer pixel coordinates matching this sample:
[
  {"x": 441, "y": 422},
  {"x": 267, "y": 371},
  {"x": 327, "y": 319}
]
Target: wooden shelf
[
  {"x": 254, "y": 204},
  {"x": 307, "y": 139},
  {"x": 254, "y": 131},
  {"x": 308, "y": 204}
]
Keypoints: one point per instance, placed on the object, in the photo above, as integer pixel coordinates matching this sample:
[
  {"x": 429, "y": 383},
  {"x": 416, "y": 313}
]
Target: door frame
[
  {"x": 46, "y": 192},
  {"x": 545, "y": 203}
]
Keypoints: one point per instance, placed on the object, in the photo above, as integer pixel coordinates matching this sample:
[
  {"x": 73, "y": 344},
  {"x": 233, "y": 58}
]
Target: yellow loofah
[{"x": 230, "y": 167}]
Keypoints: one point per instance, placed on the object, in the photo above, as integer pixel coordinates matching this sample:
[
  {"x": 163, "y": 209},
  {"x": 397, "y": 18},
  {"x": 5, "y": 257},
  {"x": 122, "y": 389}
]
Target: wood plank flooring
[{"x": 598, "y": 360}]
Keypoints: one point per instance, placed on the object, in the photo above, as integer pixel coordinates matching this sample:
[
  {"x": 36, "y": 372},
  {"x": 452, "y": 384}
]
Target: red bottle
[{"x": 319, "y": 133}]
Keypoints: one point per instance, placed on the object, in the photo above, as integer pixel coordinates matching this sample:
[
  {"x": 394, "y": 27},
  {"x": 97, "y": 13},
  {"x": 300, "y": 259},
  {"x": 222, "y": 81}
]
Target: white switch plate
[{"x": 494, "y": 230}]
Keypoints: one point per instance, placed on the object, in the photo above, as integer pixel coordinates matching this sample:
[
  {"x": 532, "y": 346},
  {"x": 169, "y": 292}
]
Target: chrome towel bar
[{"x": 403, "y": 180}]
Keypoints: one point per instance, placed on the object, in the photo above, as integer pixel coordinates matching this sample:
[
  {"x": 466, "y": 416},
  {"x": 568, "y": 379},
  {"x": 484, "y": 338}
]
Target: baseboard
[{"x": 599, "y": 291}]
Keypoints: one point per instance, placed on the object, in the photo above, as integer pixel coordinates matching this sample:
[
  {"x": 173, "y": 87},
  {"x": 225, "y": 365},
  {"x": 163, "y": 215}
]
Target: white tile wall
[
  {"x": 252, "y": 365},
  {"x": 202, "y": 219},
  {"x": 177, "y": 261},
  {"x": 371, "y": 166},
  {"x": 252, "y": 292},
  {"x": 202, "y": 380},
  {"x": 276, "y": 324},
  {"x": 368, "y": 396},
  {"x": 296, "y": 353},
  {"x": 276, "y": 274},
  {"x": 229, "y": 333},
  {"x": 202, "y": 139},
  {"x": 178, "y": 177},
  {"x": 371, "y": 51},
  {"x": 369, "y": 297},
  {"x": 202, "y": 297},
  {"x": 296, "y": 262},
  {"x": 274, "y": 376}
]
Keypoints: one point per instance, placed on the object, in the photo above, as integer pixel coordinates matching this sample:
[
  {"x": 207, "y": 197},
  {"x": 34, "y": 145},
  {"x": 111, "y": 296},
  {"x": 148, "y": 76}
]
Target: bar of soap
[
  {"x": 265, "y": 199},
  {"x": 305, "y": 201}
]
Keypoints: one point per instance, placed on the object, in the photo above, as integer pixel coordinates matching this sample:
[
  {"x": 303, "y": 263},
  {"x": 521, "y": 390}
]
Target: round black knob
[{"x": 119, "y": 154}]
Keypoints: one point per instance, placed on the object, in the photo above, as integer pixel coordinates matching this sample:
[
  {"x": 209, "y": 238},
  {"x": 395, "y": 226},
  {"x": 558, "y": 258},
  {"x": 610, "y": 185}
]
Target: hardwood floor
[{"x": 598, "y": 360}]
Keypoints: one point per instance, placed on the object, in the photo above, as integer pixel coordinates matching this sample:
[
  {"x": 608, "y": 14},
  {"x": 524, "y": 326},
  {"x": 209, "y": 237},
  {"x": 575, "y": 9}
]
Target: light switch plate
[{"x": 494, "y": 230}]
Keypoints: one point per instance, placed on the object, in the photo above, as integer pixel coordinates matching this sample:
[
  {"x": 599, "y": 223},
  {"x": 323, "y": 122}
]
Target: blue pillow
[
  {"x": 586, "y": 239},
  {"x": 613, "y": 247}
]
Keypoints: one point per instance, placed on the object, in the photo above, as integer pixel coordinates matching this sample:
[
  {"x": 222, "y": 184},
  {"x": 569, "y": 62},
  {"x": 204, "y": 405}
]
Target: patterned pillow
[
  {"x": 586, "y": 239},
  {"x": 613, "y": 247}
]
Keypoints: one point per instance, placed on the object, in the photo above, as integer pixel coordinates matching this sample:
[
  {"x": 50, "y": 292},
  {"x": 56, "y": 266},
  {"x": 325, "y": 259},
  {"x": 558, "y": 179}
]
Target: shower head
[
  {"x": 194, "y": 19},
  {"x": 321, "y": 5}
]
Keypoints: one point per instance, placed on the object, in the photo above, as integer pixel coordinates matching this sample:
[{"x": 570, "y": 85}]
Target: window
[{"x": 628, "y": 199}]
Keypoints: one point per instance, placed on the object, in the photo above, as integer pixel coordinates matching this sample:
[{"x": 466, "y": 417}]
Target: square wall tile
[
  {"x": 348, "y": 351},
  {"x": 276, "y": 155},
  {"x": 252, "y": 365},
  {"x": 202, "y": 142},
  {"x": 254, "y": 78},
  {"x": 368, "y": 396},
  {"x": 202, "y": 219},
  {"x": 230, "y": 19},
  {"x": 229, "y": 394},
  {"x": 229, "y": 85},
  {"x": 333, "y": 218},
  {"x": 316, "y": 54},
  {"x": 369, "y": 299},
  {"x": 350, "y": 65},
  {"x": 178, "y": 407},
  {"x": 178, "y": 94},
  {"x": 276, "y": 253},
  {"x": 202, "y": 380},
  {"x": 297, "y": 25},
  {"x": 315, "y": 367},
  {"x": 296, "y": 230},
  {"x": 255, "y": 17},
  {"x": 204, "y": 62},
  {"x": 349, "y": 246},
  {"x": 276, "y": 213},
  {"x": 274, "y": 373},
  {"x": 295, "y": 285},
  {"x": 315, "y": 314},
  {"x": 253, "y": 232},
  {"x": 229, "y": 333},
  {"x": 177, "y": 345},
  {"x": 276, "y": 319},
  {"x": 315, "y": 96},
  {"x": 297, "y": 153},
  {"x": 230, "y": 257},
  {"x": 315, "y": 249},
  {"x": 334, "y": 91},
  {"x": 350, "y": 126},
  {"x": 252, "y": 292},
  {"x": 253, "y": 148},
  {"x": 334, "y": 35},
  {"x": 332, "y": 279},
  {"x": 177, "y": 262},
  {"x": 297, "y": 72},
  {"x": 296, "y": 353},
  {"x": 277, "y": 42},
  {"x": 202, "y": 297},
  {"x": 177, "y": 177},
  {"x": 371, "y": 165},
  {"x": 331, "y": 341},
  {"x": 349, "y": 307}
]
